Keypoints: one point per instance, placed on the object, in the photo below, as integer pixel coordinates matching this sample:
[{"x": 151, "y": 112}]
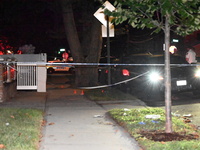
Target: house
[{"x": 194, "y": 40}]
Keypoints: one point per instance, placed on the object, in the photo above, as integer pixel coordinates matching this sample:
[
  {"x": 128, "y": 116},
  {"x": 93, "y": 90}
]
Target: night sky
[
  {"x": 33, "y": 22},
  {"x": 39, "y": 22}
]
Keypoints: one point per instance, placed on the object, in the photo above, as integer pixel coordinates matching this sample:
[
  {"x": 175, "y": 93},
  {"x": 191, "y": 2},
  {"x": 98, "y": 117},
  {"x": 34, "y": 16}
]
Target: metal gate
[{"x": 27, "y": 76}]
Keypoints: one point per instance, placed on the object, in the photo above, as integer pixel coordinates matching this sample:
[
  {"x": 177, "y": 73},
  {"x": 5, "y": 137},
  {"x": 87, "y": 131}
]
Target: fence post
[
  {"x": 8, "y": 70},
  {"x": 42, "y": 77},
  {"x": 1, "y": 80}
]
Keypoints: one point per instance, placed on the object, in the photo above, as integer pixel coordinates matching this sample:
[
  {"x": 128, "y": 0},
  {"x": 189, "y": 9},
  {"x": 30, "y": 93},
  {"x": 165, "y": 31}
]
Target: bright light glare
[
  {"x": 197, "y": 73},
  {"x": 155, "y": 77}
]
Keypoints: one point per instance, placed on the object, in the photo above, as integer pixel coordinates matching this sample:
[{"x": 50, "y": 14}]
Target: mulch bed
[{"x": 162, "y": 136}]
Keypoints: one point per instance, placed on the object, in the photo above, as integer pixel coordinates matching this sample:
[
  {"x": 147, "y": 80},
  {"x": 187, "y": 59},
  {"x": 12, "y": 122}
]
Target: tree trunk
[
  {"x": 168, "y": 126},
  {"x": 87, "y": 52},
  {"x": 71, "y": 31},
  {"x": 88, "y": 75}
]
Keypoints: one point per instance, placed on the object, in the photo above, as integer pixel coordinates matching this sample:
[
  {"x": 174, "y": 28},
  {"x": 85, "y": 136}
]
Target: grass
[
  {"x": 20, "y": 128},
  {"x": 134, "y": 121},
  {"x": 107, "y": 94}
]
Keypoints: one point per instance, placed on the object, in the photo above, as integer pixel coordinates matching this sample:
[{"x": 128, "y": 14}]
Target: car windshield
[
  {"x": 58, "y": 62},
  {"x": 153, "y": 59},
  {"x": 178, "y": 60},
  {"x": 135, "y": 60},
  {"x": 105, "y": 59},
  {"x": 173, "y": 60}
]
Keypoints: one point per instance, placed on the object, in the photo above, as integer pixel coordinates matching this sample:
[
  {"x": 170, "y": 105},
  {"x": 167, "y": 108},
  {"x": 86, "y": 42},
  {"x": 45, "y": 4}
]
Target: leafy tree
[
  {"x": 27, "y": 22},
  {"x": 85, "y": 47},
  {"x": 45, "y": 19},
  {"x": 180, "y": 16},
  {"x": 27, "y": 49}
]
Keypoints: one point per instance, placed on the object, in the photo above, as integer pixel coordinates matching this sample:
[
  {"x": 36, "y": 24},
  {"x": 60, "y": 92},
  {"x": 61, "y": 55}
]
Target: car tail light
[
  {"x": 125, "y": 72},
  {"x": 106, "y": 71}
]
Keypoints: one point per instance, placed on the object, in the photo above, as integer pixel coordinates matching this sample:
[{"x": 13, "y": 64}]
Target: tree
[
  {"x": 27, "y": 49},
  {"x": 180, "y": 16},
  {"x": 88, "y": 48},
  {"x": 28, "y": 22}
]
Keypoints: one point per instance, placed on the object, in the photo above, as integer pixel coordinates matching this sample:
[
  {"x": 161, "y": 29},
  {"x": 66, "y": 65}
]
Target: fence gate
[{"x": 27, "y": 76}]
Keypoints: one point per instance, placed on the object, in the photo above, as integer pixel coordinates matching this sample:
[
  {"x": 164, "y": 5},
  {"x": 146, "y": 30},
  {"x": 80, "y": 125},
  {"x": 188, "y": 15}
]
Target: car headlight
[
  {"x": 197, "y": 73},
  {"x": 155, "y": 77}
]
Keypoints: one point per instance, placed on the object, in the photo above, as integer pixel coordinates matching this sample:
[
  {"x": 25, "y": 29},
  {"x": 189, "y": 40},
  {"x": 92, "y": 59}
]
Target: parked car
[
  {"x": 58, "y": 66},
  {"x": 149, "y": 78}
]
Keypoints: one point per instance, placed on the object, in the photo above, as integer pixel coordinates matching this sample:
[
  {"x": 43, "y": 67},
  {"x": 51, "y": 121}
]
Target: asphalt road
[{"x": 177, "y": 99}]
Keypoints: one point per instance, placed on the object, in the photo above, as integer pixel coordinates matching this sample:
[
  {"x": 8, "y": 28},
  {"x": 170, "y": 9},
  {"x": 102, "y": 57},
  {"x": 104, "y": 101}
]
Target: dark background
[{"x": 39, "y": 22}]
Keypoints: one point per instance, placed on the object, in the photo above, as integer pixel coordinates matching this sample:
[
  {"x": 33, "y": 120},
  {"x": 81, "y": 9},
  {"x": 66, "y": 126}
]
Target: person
[
  {"x": 65, "y": 56},
  {"x": 191, "y": 55}
]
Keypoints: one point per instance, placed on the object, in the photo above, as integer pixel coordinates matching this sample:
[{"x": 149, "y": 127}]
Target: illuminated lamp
[
  {"x": 175, "y": 40},
  {"x": 9, "y": 52},
  {"x": 172, "y": 49},
  {"x": 62, "y": 50}
]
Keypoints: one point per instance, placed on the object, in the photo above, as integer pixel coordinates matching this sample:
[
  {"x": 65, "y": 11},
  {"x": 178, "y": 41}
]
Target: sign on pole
[
  {"x": 106, "y": 28},
  {"x": 111, "y": 31},
  {"x": 99, "y": 14}
]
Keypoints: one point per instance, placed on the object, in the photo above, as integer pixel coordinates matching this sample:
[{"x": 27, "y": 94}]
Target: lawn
[
  {"x": 150, "y": 132},
  {"x": 107, "y": 94},
  {"x": 20, "y": 128}
]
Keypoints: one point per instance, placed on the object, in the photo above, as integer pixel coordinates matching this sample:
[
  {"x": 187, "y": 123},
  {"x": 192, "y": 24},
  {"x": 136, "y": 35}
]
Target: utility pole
[{"x": 108, "y": 51}]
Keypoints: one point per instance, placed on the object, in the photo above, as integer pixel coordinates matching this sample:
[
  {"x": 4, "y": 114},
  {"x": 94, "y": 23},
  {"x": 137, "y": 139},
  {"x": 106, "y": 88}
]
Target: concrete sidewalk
[
  {"x": 27, "y": 99},
  {"x": 76, "y": 123}
]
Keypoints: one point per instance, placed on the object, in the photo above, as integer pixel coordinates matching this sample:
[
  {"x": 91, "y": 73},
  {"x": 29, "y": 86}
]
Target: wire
[
  {"x": 104, "y": 86},
  {"x": 12, "y": 67}
]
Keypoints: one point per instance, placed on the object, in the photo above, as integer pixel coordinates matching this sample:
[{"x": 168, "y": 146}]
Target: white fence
[
  {"x": 31, "y": 71},
  {"x": 31, "y": 76},
  {"x": 27, "y": 76}
]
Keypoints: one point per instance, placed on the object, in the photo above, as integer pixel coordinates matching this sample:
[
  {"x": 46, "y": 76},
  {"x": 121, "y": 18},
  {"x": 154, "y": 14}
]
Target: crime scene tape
[
  {"x": 97, "y": 64},
  {"x": 91, "y": 64},
  {"x": 112, "y": 64}
]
